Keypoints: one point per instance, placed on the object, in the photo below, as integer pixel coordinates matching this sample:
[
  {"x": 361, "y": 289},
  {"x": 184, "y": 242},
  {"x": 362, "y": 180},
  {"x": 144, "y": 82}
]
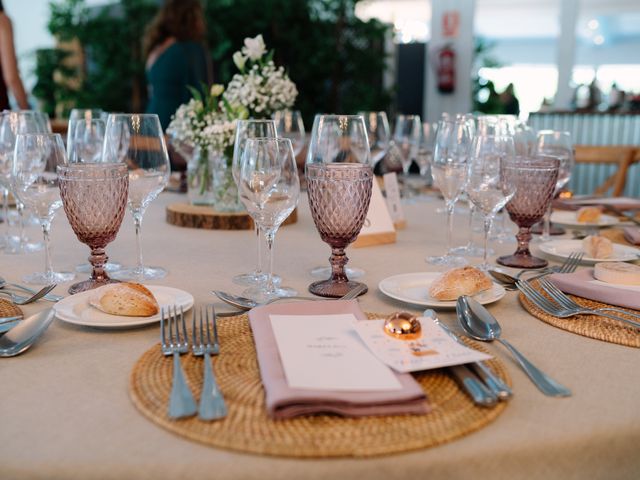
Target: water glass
[{"x": 379, "y": 134}]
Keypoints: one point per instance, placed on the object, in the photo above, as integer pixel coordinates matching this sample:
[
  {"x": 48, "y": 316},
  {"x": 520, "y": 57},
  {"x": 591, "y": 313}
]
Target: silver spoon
[
  {"x": 478, "y": 323},
  {"x": 505, "y": 279},
  {"x": 23, "y": 335},
  {"x": 50, "y": 296},
  {"x": 244, "y": 303}
]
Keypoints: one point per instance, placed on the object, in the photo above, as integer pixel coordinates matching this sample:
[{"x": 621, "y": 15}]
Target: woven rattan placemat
[
  {"x": 8, "y": 309},
  {"x": 248, "y": 429},
  {"x": 592, "y": 326}
]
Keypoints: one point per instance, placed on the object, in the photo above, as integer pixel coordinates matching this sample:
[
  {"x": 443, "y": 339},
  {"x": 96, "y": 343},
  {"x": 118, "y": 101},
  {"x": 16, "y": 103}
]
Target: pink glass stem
[
  {"x": 338, "y": 261},
  {"x": 98, "y": 260}
]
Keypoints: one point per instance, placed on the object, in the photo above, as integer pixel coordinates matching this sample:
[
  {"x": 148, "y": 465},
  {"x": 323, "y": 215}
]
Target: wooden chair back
[{"x": 623, "y": 156}]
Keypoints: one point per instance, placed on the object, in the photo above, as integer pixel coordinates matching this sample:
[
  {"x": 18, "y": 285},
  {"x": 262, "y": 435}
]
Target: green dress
[{"x": 181, "y": 65}]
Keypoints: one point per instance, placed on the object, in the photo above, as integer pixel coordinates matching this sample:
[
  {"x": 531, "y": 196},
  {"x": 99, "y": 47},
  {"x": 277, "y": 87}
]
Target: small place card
[
  {"x": 434, "y": 349},
  {"x": 394, "y": 204},
  {"x": 323, "y": 352},
  {"x": 378, "y": 227}
]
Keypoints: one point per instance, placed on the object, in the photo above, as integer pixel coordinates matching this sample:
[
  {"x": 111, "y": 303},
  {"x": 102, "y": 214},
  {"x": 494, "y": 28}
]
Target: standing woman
[
  {"x": 176, "y": 56},
  {"x": 10, "y": 78}
]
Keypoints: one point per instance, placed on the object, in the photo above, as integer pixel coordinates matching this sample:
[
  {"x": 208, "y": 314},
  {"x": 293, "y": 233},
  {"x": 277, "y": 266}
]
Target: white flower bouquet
[{"x": 260, "y": 87}]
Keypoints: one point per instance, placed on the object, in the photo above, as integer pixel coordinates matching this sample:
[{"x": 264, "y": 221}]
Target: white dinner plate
[
  {"x": 561, "y": 249},
  {"x": 414, "y": 288},
  {"x": 76, "y": 309},
  {"x": 568, "y": 219}
]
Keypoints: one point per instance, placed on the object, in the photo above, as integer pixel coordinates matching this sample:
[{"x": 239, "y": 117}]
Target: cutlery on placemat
[
  {"x": 25, "y": 333},
  {"x": 212, "y": 406},
  {"x": 181, "y": 402},
  {"x": 49, "y": 296},
  {"x": 20, "y": 300},
  {"x": 494, "y": 383},
  {"x": 478, "y": 323}
]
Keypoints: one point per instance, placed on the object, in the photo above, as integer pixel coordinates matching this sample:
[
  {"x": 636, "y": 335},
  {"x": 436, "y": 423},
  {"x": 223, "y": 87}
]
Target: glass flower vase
[
  {"x": 200, "y": 188},
  {"x": 225, "y": 190}
]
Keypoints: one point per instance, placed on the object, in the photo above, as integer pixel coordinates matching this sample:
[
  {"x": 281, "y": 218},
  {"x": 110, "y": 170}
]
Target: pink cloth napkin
[
  {"x": 578, "y": 283},
  {"x": 632, "y": 235},
  {"x": 285, "y": 402}
]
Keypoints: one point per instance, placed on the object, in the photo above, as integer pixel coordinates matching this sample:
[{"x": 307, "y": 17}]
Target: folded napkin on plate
[
  {"x": 632, "y": 235},
  {"x": 285, "y": 402},
  {"x": 583, "y": 284}
]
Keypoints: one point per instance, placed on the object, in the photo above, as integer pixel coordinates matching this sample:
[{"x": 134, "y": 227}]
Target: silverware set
[
  {"x": 35, "y": 296},
  {"x": 174, "y": 339}
]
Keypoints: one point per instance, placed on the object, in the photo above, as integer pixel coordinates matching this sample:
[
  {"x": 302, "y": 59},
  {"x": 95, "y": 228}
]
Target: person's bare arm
[{"x": 10, "y": 71}]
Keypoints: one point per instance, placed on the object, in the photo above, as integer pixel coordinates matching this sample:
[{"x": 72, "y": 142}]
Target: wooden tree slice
[{"x": 208, "y": 218}]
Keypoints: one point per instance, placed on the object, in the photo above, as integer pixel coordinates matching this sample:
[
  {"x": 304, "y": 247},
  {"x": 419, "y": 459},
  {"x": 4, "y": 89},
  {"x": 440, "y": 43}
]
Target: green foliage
[
  {"x": 336, "y": 60},
  {"x": 484, "y": 59}
]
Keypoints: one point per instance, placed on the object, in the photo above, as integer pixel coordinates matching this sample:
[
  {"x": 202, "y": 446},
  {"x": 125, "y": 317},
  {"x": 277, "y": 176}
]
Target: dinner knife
[
  {"x": 478, "y": 392},
  {"x": 494, "y": 383}
]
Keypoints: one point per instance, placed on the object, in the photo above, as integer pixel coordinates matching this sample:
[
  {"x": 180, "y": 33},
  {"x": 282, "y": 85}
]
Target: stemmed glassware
[
  {"x": 449, "y": 171},
  {"x": 88, "y": 139},
  {"x": 487, "y": 187},
  {"x": 34, "y": 180},
  {"x": 82, "y": 114},
  {"x": 289, "y": 125},
  {"x": 424, "y": 155},
  {"x": 137, "y": 141},
  {"x": 557, "y": 145},
  {"x": 406, "y": 138},
  {"x": 534, "y": 180},
  {"x": 94, "y": 197},
  {"x": 269, "y": 188},
  {"x": 12, "y": 124},
  {"x": 246, "y": 129},
  {"x": 379, "y": 134},
  {"x": 339, "y": 184}
]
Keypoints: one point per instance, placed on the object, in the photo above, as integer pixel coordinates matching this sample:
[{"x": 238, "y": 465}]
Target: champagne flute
[
  {"x": 558, "y": 145},
  {"x": 486, "y": 186},
  {"x": 289, "y": 125},
  {"x": 34, "y": 180},
  {"x": 406, "y": 137},
  {"x": 269, "y": 188},
  {"x": 449, "y": 170},
  {"x": 251, "y": 129},
  {"x": 137, "y": 141},
  {"x": 379, "y": 134},
  {"x": 340, "y": 181}
]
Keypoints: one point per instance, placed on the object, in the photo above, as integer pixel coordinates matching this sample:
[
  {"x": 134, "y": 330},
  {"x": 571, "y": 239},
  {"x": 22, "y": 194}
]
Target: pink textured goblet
[
  {"x": 339, "y": 195},
  {"x": 94, "y": 197},
  {"x": 534, "y": 179}
]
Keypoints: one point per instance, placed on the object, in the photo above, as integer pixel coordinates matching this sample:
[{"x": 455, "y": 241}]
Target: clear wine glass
[
  {"x": 340, "y": 179},
  {"x": 87, "y": 142},
  {"x": 137, "y": 141},
  {"x": 558, "y": 145},
  {"x": 269, "y": 188},
  {"x": 406, "y": 138},
  {"x": 34, "y": 180},
  {"x": 289, "y": 125},
  {"x": 379, "y": 134},
  {"x": 11, "y": 125},
  {"x": 534, "y": 180},
  {"x": 449, "y": 171},
  {"x": 251, "y": 129},
  {"x": 82, "y": 114},
  {"x": 486, "y": 186}
]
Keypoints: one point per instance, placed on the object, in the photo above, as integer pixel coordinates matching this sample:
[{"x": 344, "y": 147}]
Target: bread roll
[
  {"x": 588, "y": 215},
  {"x": 127, "y": 299},
  {"x": 618, "y": 273},
  {"x": 459, "y": 281},
  {"x": 597, "y": 247}
]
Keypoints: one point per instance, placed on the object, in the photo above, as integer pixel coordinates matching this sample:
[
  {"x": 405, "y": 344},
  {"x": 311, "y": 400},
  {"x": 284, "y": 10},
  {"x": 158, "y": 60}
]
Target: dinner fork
[
  {"x": 569, "y": 265},
  {"x": 552, "y": 307},
  {"x": 20, "y": 300},
  {"x": 560, "y": 297},
  {"x": 181, "y": 402},
  {"x": 212, "y": 406}
]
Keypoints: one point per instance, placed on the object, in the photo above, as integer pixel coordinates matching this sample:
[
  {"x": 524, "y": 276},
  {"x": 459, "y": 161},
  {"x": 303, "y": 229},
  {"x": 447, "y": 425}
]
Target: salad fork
[
  {"x": 212, "y": 406},
  {"x": 569, "y": 265},
  {"x": 181, "y": 402},
  {"x": 560, "y": 297},
  {"x": 552, "y": 307}
]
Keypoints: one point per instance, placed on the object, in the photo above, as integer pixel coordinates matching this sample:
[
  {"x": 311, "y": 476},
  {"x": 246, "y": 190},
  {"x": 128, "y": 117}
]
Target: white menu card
[
  {"x": 434, "y": 349},
  {"x": 394, "y": 203},
  {"x": 324, "y": 352}
]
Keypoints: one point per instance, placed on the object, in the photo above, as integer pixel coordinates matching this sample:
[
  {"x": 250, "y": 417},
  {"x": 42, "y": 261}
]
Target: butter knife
[{"x": 494, "y": 383}]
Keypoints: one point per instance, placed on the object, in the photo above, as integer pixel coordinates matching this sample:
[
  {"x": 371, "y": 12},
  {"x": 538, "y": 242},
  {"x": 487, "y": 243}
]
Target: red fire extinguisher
[{"x": 446, "y": 69}]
